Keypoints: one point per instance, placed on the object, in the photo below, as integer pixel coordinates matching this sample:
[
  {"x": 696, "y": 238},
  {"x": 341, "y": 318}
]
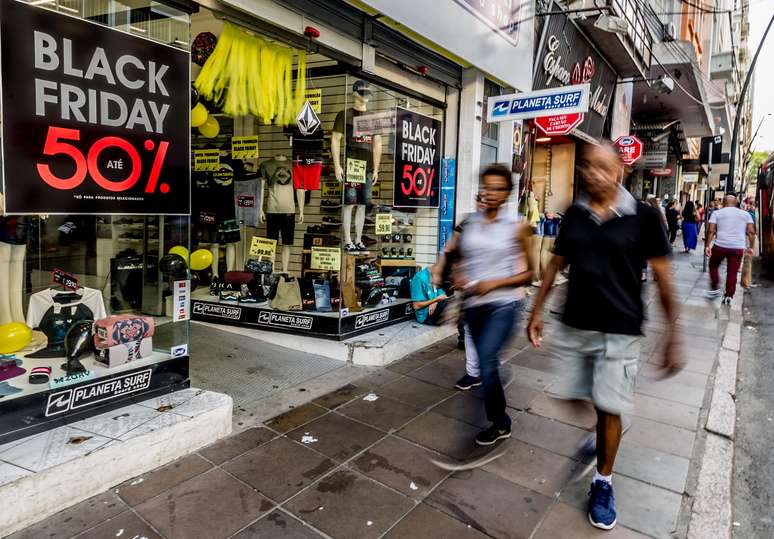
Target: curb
[{"x": 711, "y": 511}]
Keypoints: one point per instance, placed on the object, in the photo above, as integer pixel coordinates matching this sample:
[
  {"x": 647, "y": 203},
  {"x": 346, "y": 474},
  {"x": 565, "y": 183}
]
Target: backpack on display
[{"x": 288, "y": 295}]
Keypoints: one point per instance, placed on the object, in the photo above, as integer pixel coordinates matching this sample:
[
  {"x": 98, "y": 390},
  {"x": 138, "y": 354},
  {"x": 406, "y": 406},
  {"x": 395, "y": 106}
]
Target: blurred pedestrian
[
  {"x": 605, "y": 237},
  {"x": 733, "y": 232},
  {"x": 690, "y": 232},
  {"x": 699, "y": 217},
  {"x": 672, "y": 218},
  {"x": 492, "y": 270}
]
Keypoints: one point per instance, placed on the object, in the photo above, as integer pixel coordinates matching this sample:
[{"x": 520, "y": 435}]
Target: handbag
[
  {"x": 746, "y": 271},
  {"x": 288, "y": 295},
  {"x": 322, "y": 295},
  {"x": 264, "y": 267}
]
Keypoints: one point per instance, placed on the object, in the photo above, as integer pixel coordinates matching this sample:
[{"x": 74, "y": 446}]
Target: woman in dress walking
[{"x": 690, "y": 232}]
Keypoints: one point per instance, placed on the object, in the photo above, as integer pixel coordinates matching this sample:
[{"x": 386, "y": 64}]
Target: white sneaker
[
  {"x": 726, "y": 300},
  {"x": 713, "y": 294}
]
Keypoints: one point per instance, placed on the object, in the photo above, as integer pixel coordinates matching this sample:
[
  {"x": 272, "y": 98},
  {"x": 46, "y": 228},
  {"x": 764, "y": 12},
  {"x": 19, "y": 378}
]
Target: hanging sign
[
  {"x": 263, "y": 248},
  {"x": 562, "y": 124},
  {"x": 92, "y": 118},
  {"x": 383, "y": 224},
  {"x": 549, "y": 102},
  {"x": 244, "y": 147},
  {"x": 314, "y": 97},
  {"x": 629, "y": 148},
  {"x": 417, "y": 160},
  {"x": 356, "y": 170},
  {"x": 448, "y": 188},
  {"x": 326, "y": 258},
  {"x": 206, "y": 160}
]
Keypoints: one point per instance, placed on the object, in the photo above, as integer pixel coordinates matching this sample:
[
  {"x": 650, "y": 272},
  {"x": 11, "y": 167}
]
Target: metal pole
[
  {"x": 706, "y": 206},
  {"x": 739, "y": 107}
]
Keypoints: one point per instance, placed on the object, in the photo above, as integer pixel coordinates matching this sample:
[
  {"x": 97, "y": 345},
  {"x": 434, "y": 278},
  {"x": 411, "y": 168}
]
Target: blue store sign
[{"x": 549, "y": 102}]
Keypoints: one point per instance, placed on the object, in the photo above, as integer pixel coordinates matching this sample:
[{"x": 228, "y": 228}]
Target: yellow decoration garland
[{"x": 249, "y": 75}]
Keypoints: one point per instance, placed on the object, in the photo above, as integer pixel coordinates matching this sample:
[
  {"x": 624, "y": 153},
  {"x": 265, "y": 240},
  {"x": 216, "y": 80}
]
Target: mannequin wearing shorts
[{"x": 280, "y": 207}]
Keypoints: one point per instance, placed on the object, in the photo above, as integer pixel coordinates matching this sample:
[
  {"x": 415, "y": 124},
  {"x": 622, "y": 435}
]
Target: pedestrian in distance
[
  {"x": 672, "y": 218},
  {"x": 690, "y": 230},
  {"x": 492, "y": 270},
  {"x": 699, "y": 217},
  {"x": 733, "y": 232},
  {"x": 605, "y": 238}
]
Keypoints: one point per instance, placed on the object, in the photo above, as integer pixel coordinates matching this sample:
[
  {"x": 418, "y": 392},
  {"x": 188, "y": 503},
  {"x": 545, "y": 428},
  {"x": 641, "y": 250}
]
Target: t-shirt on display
[
  {"x": 358, "y": 147},
  {"x": 279, "y": 180},
  {"x": 731, "y": 227},
  {"x": 248, "y": 201}
]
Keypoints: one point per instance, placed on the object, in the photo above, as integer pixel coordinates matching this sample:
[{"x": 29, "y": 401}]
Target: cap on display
[{"x": 361, "y": 87}]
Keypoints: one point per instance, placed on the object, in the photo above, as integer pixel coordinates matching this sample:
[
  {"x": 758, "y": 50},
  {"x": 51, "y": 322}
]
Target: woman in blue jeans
[{"x": 491, "y": 270}]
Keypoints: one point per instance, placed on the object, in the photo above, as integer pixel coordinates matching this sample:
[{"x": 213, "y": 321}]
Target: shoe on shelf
[
  {"x": 360, "y": 246},
  {"x": 350, "y": 248},
  {"x": 368, "y": 240},
  {"x": 713, "y": 294},
  {"x": 491, "y": 435},
  {"x": 467, "y": 381},
  {"x": 602, "y": 505}
]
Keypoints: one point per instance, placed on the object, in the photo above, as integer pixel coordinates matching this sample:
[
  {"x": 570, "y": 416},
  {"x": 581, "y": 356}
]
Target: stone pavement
[{"x": 355, "y": 463}]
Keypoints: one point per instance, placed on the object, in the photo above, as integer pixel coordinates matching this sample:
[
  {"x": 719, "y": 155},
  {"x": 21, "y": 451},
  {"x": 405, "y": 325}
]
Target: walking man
[
  {"x": 605, "y": 238},
  {"x": 733, "y": 231}
]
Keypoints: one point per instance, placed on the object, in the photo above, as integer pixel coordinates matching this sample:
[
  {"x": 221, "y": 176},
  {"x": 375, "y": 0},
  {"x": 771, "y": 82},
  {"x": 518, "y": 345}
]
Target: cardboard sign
[
  {"x": 244, "y": 147},
  {"x": 356, "y": 170},
  {"x": 263, "y": 247},
  {"x": 417, "y": 160},
  {"x": 65, "y": 279},
  {"x": 326, "y": 258},
  {"x": 314, "y": 96},
  {"x": 383, "y": 223},
  {"x": 206, "y": 160},
  {"x": 331, "y": 189}
]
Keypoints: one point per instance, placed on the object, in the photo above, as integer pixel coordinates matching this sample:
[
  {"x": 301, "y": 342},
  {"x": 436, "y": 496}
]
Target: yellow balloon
[
  {"x": 210, "y": 128},
  {"x": 199, "y": 115},
  {"x": 180, "y": 250},
  {"x": 200, "y": 259},
  {"x": 14, "y": 337}
]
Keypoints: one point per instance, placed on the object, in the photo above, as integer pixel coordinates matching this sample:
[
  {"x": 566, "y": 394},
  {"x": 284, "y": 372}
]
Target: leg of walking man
[
  {"x": 715, "y": 260},
  {"x": 733, "y": 263}
]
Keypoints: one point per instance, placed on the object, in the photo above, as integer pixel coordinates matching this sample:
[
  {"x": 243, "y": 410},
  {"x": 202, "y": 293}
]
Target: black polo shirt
[{"x": 606, "y": 261}]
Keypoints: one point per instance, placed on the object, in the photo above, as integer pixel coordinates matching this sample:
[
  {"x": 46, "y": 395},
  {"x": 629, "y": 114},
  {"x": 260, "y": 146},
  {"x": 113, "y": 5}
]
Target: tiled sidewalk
[{"x": 345, "y": 466}]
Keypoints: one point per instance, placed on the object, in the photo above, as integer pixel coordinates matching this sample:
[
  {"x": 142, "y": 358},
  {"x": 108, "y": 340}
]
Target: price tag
[
  {"x": 314, "y": 96},
  {"x": 263, "y": 247},
  {"x": 326, "y": 258},
  {"x": 383, "y": 223},
  {"x": 244, "y": 147},
  {"x": 67, "y": 280},
  {"x": 356, "y": 171},
  {"x": 206, "y": 160},
  {"x": 376, "y": 191},
  {"x": 331, "y": 190}
]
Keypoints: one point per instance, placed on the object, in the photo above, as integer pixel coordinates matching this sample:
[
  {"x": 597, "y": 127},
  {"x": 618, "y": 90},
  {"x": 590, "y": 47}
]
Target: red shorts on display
[{"x": 307, "y": 177}]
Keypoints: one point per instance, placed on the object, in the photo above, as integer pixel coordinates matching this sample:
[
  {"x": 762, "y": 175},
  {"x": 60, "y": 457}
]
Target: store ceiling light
[{"x": 543, "y": 139}]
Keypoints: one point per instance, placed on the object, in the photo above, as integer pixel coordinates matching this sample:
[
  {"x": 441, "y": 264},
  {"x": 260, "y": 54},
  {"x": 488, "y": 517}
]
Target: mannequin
[
  {"x": 279, "y": 213},
  {"x": 366, "y": 148}
]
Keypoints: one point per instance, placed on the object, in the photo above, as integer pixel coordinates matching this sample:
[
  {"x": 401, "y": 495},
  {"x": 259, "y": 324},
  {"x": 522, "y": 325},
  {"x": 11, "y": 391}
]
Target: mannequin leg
[
  {"x": 215, "y": 250},
  {"x": 346, "y": 222},
  {"x": 285, "y": 258},
  {"x": 359, "y": 222},
  {"x": 5, "y": 282},
  {"x": 230, "y": 256},
  {"x": 16, "y": 278}
]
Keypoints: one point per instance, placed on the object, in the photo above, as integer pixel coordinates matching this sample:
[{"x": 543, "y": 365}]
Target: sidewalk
[{"x": 355, "y": 463}]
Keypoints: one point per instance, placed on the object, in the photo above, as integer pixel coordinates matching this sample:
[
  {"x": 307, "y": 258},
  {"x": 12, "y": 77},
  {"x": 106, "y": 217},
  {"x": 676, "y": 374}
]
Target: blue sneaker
[{"x": 602, "y": 505}]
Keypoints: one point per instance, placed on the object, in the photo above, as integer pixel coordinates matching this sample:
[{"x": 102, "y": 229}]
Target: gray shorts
[{"x": 596, "y": 366}]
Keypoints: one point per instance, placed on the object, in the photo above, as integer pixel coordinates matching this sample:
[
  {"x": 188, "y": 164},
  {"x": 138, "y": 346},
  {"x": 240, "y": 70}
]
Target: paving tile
[
  {"x": 278, "y": 524},
  {"x": 466, "y": 407},
  {"x": 280, "y": 468},
  {"x": 652, "y": 466},
  {"x": 532, "y": 467},
  {"x": 408, "y": 364},
  {"x": 444, "y": 373},
  {"x": 343, "y": 395},
  {"x": 415, "y": 392},
  {"x": 137, "y": 490},
  {"x": 548, "y": 434},
  {"x": 540, "y": 360},
  {"x": 383, "y": 413},
  {"x": 563, "y": 521},
  {"x": 209, "y": 506},
  {"x": 10, "y": 473},
  {"x": 427, "y": 523},
  {"x": 402, "y": 466},
  {"x": 531, "y": 378},
  {"x": 126, "y": 524},
  {"x": 76, "y": 519},
  {"x": 573, "y": 412},
  {"x": 661, "y": 436},
  {"x": 520, "y": 397},
  {"x": 671, "y": 390},
  {"x": 233, "y": 446},
  {"x": 490, "y": 504},
  {"x": 347, "y": 505},
  {"x": 644, "y": 508},
  {"x": 377, "y": 378},
  {"x": 443, "y": 434},
  {"x": 663, "y": 411},
  {"x": 51, "y": 448},
  {"x": 295, "y": 417},
  {"x": 336, "y": 436},
  {"x": 684, "y": 378},
  {"x": 129, "y": 421}
]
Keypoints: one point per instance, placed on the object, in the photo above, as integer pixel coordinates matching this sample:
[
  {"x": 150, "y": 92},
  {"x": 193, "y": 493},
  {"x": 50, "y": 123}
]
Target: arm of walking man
[
  {"x": 672, "y": 363},
  {"x": 535, "y": 326},
  {"x": 750, "y": 239},
  {"x": 712, "y": 229}
]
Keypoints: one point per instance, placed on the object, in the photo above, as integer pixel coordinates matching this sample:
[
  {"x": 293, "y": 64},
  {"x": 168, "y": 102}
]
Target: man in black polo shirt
[{"x": 605, "y": 238}]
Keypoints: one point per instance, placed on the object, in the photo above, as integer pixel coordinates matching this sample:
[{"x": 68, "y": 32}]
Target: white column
[{"x": 469, "y": 157}]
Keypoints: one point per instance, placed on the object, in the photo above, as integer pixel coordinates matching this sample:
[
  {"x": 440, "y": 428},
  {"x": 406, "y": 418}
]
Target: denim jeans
[{"x": 491, "y": 326}]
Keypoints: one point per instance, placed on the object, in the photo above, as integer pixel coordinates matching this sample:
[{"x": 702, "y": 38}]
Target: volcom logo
[
  {"x": 370, "y": 319},
  {"x": 294, "y": 321},
  {"x": 501, "y": 108},
  {"x": 307, "y": 120}
]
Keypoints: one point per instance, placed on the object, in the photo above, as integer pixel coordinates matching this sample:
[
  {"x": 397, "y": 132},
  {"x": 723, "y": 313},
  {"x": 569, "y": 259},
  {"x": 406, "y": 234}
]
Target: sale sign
[
  {"x": 417, "y": 160},
  {"x": 561, "y": 124},
  {"x": 629, "y": 148},
  {"x": 95, "y": 121}
]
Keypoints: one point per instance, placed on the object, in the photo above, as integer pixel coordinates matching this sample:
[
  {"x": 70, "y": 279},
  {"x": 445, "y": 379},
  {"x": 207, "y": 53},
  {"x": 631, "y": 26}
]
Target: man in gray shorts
[{"x": 605, "y": 237}]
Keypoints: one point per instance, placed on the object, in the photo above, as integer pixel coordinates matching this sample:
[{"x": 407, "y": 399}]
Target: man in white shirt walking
[{"x": 734, "y": 232}]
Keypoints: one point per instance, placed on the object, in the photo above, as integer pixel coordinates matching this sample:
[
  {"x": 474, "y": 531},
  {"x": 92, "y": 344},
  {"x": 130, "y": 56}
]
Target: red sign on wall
[
  {"x": 629, "y": 148},
  {"x": 561, "y": 124}
]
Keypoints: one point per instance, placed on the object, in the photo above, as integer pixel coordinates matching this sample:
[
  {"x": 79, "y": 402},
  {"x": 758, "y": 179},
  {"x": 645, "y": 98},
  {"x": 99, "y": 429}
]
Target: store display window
[{"x": 94, "y": 310}]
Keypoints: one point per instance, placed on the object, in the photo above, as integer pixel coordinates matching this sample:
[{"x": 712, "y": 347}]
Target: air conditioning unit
[{"x": 669, "y": 31}]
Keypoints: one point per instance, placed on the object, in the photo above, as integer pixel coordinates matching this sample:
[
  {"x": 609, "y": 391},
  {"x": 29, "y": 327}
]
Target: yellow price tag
[
  {"x": 244, "y": 147},
  {"x": 356, "y": 170},
  {"x": 331, "y": 190},
  {"x": 376, "y": 191},
  {"x": 263, "y": 247},
  {"x": 206, "y": 160},
  {"x": 326, "y": 258},
  {"x": 314, "y": 96},
  {"x": 383, "y": 223}
]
